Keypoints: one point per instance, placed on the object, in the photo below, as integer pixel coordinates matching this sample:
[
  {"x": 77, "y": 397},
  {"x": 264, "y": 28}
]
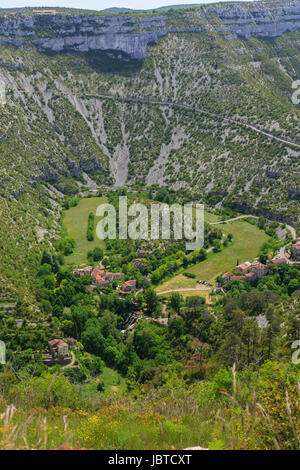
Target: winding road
[
  {"x": 289, "y": 227},
  {"x": 73, "y": 359},
  {"x": 197, "y": 110}
]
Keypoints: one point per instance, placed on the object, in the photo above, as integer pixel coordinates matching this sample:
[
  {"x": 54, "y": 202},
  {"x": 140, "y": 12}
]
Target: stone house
[
  {"x": 103, "y": 278},
  {"x": 128, "y": 286},
  {"x": 58, "y": 348},
  {"x": 278, "y": 261},
  {"x": 244, "y": 267},
  {"x": 226, "y": 277},
  {"x": 296, "y": 250},
  {"x": 82, "y": 271},
  {"x": 259, "y": 269},
  {"x": 138, "y": 263},
  {"x": 250, "y": 276},
  {"x": 141, "y": 252}
]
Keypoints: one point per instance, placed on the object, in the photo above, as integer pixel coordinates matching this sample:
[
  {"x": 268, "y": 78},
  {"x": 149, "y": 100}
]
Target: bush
[{"x": 45, "y": 391}]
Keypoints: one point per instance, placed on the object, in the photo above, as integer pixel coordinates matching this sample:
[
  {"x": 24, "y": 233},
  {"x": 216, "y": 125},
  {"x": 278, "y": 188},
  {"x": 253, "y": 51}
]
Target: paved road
[{"x": 234, "y": 218}]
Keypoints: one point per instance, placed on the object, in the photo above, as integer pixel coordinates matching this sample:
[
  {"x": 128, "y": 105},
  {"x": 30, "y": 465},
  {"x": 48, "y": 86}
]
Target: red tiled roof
[
  {"x": 278, "y": 260},
  {"x": 243, "y": 266},
  {"x": 130, "y": 283},
  {"x": 54, "y": 343},
  {"x": 250, "y": 274},
  {"x": 258, "y": 265}
]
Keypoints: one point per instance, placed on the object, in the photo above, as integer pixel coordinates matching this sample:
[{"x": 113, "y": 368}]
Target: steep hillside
[{"x": 196, "y": 98}]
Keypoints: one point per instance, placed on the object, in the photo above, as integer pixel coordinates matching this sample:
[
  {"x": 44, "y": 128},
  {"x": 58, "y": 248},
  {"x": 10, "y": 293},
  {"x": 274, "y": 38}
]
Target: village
[
  {"x": 247, "y": 271},
  {"x": 61, "y": 351},
  {"x": 102, "y": 278}
]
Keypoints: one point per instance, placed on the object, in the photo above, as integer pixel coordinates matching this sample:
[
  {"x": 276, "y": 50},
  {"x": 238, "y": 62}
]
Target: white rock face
[
  {"x": 133, "y": 35},
  {"x": 261, "y": 19}
]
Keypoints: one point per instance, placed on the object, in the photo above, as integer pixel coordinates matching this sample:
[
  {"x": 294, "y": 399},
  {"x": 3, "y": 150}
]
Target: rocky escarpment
[
  {"x": 132, "y": 35},
  {"x": 259, "y": 19}
]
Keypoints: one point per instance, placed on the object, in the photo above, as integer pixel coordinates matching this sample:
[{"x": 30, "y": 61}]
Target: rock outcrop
[
  {"x": 130, "y": 35},
  {"x": 259, "y": 19}
]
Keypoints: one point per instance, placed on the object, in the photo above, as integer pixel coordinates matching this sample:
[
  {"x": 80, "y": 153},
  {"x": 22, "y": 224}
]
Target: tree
[
  {"x": 151, "y": 300},
  {"x": 66, "y": 245},
  {"x": 148, "y": 340},
  {"x": 217, "y": 245},
  {"x": 97, "y": 253},
  {"x": 101, "y": 387},
  {"x": 46, "y": 258},
  {"x": 175, "y": 301},
  {"x": 262, "y": 223},
  {"x": 92, "y": 337}
]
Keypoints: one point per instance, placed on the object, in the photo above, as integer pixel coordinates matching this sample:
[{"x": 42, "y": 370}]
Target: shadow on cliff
[
  {"x": 106, "y": 62},
  {"x": 113, "y": 62}
]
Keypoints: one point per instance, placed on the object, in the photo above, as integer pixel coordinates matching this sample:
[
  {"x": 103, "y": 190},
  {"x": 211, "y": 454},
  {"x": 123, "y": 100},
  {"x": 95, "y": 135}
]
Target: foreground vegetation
[{"x": 246, "y": 410}]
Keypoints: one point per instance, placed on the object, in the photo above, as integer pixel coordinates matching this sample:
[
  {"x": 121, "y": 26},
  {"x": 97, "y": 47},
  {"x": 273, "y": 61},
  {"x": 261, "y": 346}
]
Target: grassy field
[
  {"x": 247, "y": 240},
  {"x": 179, "y": 282},
  {"x": 211, "y": 217},
  {"x": 75, "y": 221},
  {"x": 112, "y": 380},
  {"x": 192, "y": 293}
]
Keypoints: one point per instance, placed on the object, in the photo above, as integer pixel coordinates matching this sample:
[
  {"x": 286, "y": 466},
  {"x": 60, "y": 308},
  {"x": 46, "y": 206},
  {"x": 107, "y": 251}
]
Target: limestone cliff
[{"x": 133, "y": 34}]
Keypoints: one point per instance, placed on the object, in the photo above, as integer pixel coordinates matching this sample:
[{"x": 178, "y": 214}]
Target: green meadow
[
  {"x": 247, "y": 240},
  {"x": 112, "y": 381},
  {"x": 76, "y": 221}
]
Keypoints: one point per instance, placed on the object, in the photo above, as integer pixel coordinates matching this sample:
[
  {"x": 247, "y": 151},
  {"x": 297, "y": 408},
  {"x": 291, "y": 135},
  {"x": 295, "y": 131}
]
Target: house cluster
[
  {"x": 104, "y": 278},
  {"x": 82, "y": 271},
  {"x": 251, "y": 271},
  {"x": 296, "y": 250},
  {"x": 59, "y": 351},
  {"x": 141, "y": 253},
  {"x": 44, "y": 12}
]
